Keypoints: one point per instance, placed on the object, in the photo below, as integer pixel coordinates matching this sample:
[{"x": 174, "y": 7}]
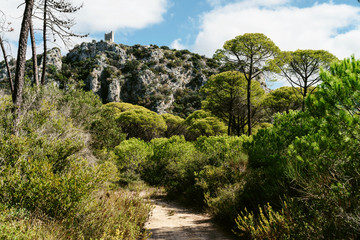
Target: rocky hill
[
  {"x": 145, "y": 75},
  {"x": 158, "y": 78}
]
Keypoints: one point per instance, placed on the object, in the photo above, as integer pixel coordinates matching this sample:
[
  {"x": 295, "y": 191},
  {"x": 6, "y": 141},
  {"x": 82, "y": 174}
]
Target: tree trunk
[
  {"x": 249, "y": 105},
  {"x": 7, "y": 66},
  {"x": 304, "y": 96},
  {"x": 34, "y": 56},
  {"x": 229, "y": 124},
  {"x": 20, "y": 63},
  {"x": 45, "y": 47}
]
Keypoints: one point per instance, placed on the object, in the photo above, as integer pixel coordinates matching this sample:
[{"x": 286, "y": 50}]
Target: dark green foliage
[
  {"x": 186, "y": 102},
  {"x": 282, "y": 100},
  {"x": 202, "y": 123},
  {"x": 130, "y": 155},
  {"x": 172, "y": 164},
  {"x": 196, "y": 82},
  {"x": 329, "y": 176},
  {"x": 131, "y": 66},
  {"x": 314, "y": 157},
  {"x": 165, "y": 47},
  {"x": 141, "y": 52},
  {"x": 175, "y": 125},
  {"x": 212, "y": 63},
  {"x": 206, "y": 172},
  {"x": 40, "y": 166},
  {"x": 77, "y": 69},
  {"x": 106, "y": 133},
  {"x": 266, "y": 179},
  {"x": 141, "y": 123}
]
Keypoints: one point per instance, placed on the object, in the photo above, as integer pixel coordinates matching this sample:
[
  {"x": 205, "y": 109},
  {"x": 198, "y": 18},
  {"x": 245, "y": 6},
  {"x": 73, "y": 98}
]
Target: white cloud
[
  {"x": 246, "y": 3},
  {"x": 215, "y": 3},
  {"x": 323, "y": 26},
  {"x": 109, "y": 15},
  {"x": 93, "y": 18},
  {"x": 176, "y": 44}
]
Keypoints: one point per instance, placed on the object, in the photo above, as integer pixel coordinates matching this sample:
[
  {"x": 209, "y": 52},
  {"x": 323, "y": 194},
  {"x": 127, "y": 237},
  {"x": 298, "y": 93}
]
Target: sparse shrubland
[
  {"x": 297, "y": 179},
  {"x": 51, "y": 185},
  {"x": 309, "y": 160},
  {"x": 66, "y": 172}
]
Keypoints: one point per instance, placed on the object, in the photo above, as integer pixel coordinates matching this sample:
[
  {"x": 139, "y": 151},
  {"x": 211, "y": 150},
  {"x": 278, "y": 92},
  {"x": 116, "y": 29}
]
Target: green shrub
[
  {"x": 172, "y": 165},
  {"x": 18, "y": 223},
  {"x": 103, "y": 215},
  {"x": 202, "y": 123},
  {"x": 130, "y": 155},
  {"x": 141, "y": 123},
  {"x": 269, "y": 224},
  {"x": 105, "y": 131},
  {"x": 132, "y": 120},
  {"x": 313, "y": 157},
  {"x": 113, "y": 215},
  {"x": 175, "y": 125},
  {"x": 221, "y": 178},
  {"x": 186, "y": 102},
  {"x": 40, "y": 166},
  {"x": 82, "y": 106}
]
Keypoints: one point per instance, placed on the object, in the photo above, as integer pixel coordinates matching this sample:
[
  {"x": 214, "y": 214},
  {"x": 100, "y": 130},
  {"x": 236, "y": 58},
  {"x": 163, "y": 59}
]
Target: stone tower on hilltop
[{"x": 109, "y": 37}]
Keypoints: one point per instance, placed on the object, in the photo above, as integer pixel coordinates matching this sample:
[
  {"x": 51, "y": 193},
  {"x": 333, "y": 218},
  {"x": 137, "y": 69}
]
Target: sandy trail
[{"x": 169, "y": 221}]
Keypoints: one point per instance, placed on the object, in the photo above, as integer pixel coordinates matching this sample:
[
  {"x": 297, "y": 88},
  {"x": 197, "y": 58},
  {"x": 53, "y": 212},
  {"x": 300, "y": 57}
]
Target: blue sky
[
  {"x": 182, "y": 22},
  {"x": 202, "y": 26},
  {"x": 330, "y": 25}
]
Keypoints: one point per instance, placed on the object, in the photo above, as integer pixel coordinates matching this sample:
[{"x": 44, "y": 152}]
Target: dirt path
[{"x": 169, "y": 221}]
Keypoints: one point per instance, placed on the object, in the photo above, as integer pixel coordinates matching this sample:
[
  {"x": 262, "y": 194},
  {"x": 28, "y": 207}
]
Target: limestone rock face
[
  {"x": 143, "y": 75},
  {"x": 54, "y": 58},
  {"x": 161, "y": 79}
]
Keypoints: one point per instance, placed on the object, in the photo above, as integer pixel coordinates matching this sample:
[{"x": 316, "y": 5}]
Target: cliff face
[
  {"x": 160, "y": 79},
  {"x": 143, "y": 75}
]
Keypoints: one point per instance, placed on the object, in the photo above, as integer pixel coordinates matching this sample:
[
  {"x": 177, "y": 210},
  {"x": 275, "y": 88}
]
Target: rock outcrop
[
  {"x": 160, "y": 79},
  {"x": 144, "y": 75}
]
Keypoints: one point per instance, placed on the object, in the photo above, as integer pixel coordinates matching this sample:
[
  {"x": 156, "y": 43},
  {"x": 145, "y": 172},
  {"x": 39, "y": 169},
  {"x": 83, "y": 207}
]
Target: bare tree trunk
[
  {"x": 229, "y": 124},
  {"x": 249, "y": 105},
  {"x": 304, "y": 95},
  {"x": 7, "y": 66},
  {"x": 34, "y": 56},
  {"x": 20, "y": 63},
  {"x": 45, "y": 46}
]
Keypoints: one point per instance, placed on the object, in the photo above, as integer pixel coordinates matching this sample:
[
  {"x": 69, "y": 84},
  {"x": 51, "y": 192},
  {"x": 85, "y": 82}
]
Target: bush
[
  {"x": 312, "y": 157},
  {"x": 129, "y": 156},
  {"x": 105, "y": 131},
  {"x": 41, "y": 164},
  {"x": 82, "y": 106},
  {"x": 39, "y": 167},
  {"x": 113, "y": 215},
  {"x": 173, "y": 165},
  {"x": 201, "y": 123},
  {"x": 175, "y": 125},
  {"x": 132, "y": 120},
  {"x": 269, "y": 225},
  {"x": 141, "y": 123},
  {"x": 221, "y": 177},
  {"x": 104, "y": 215}
]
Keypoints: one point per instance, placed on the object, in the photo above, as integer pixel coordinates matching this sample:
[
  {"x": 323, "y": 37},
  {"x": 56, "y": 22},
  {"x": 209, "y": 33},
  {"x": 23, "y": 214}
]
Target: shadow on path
[{"x": 170, "y": 221}]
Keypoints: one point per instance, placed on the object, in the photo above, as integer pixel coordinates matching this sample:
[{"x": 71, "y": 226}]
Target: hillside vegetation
[{"x": 177, "y": 120}]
